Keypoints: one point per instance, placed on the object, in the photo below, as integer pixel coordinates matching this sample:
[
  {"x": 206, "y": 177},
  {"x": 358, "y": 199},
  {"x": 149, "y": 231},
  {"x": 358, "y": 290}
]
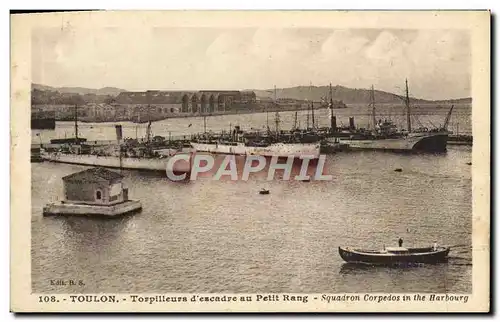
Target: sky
[{"x": 436, "y": 62}]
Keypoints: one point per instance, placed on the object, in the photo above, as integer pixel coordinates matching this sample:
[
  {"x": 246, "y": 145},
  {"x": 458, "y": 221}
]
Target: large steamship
[
  {"x": 385, "y": 135},
  {"x": 240, "y": 143},
  {"x": 275, "y": 143}
]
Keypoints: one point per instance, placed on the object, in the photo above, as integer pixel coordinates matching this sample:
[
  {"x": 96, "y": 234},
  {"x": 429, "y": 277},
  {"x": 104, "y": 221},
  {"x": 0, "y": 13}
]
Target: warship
[
  {"x": 124, "y": 154},
  {"x": 238, "y": 142},
  {"x": 277, "y": 143},
  {"x": 385, "y": 135}
]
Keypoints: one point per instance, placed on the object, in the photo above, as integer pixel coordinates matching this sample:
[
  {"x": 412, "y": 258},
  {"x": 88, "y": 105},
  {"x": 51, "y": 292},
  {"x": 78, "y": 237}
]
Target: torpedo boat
[{"x": 386, "y": 136}]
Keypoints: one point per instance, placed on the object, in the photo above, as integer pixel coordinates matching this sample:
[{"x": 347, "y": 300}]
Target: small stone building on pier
[{"x": 95, "y": 186}]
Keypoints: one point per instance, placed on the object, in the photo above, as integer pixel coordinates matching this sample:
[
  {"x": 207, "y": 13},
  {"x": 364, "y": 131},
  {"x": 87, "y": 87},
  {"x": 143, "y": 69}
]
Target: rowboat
[
  {"x": 395, "y": 255},
  {"x": 264, "y": 191}
]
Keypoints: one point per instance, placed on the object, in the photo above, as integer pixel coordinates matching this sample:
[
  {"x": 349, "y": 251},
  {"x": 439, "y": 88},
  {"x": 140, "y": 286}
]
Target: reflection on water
[
  {"x": 412, "y": 278},
  {"x": 222, "y": 236}
]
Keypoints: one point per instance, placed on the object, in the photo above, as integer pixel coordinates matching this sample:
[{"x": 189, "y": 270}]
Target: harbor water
[{"x": 222, "y": 236}]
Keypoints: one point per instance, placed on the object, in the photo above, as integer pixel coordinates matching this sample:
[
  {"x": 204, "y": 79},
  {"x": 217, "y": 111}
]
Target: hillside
[
  {"x": 315, "y": 93},
  {"x": 348, "y": 95},
  {"x": 111, "y": 91}
]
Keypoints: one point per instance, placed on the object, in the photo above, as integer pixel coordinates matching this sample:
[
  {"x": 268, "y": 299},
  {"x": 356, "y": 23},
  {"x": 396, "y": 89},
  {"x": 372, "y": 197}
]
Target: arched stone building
[{"x": 161, "y": 104}]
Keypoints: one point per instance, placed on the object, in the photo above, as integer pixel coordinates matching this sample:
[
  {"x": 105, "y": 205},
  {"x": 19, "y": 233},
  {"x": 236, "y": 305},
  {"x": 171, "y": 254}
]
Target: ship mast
[
  {"x": 408, "y": 109},
  {"x": 76, "y": 123},
  {"x": 295, "y": 121},
  {"x": 331, "y": 96},
  {"x": 148, "y": 129},
  {"x": 309, "y": 105},
  {"x": 267, "y": 118},
  {"x": 277, "y": 115},
  {"x": 148, "y": 132},
  {"x": 447, "y": 119},
  {"x": 267, "y": 112},
  {"x": 277, "y": 121},
  {"x": 312, "y": 107},
  {"x": 372, "y": 103},
  {"x": 332, "y": 125},
  {"x": 312, "y": 104},
  {"x": 312, "y": 113}
]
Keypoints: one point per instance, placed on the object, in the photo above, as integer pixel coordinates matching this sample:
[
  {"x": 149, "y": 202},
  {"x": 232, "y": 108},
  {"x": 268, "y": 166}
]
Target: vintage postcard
[{"x": 250, "y": 161}]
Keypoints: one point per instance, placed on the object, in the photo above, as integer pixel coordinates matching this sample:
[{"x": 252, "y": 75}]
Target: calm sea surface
[{"x": 222, "y": 236}]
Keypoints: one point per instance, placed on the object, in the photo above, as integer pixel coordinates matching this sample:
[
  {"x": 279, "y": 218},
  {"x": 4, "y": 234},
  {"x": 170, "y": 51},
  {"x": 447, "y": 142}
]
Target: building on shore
[
  {"x": 158, "y": 104},
  {"x": 102, "y": 111},
  {"x": 153, "y": 105}
]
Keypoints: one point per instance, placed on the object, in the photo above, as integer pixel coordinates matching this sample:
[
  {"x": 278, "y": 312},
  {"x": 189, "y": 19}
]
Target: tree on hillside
[
  {"x": 109, "y": 100},
  {"x": 75, "y": 99}
]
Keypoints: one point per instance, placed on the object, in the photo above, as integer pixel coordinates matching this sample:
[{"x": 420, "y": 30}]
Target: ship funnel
[
  {"x": 351, "y": 123},
  {"x": 333, "y": 123},
  {"x": 119, "y": 135}
]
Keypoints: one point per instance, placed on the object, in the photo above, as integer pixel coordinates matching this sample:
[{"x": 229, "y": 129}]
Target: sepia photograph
[{"x": 318, "y": 163}]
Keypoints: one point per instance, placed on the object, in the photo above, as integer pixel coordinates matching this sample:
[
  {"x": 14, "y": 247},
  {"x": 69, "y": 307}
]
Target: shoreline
[
  {"x": 175, "y": 116},
  {"x": 423, "y": 111}
]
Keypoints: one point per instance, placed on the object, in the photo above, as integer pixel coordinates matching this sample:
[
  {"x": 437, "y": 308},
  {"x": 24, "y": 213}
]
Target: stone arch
[
  {"x": 228, "y": 102},
  {"x": 204, "y": 103},
  {"x": 211, "y": 104},
  {"x": 98, "y": 195},
  {"x": 220, "y": 103},
  {"x": 185, "y": 103},
  {"x": 194, "y": 104}
]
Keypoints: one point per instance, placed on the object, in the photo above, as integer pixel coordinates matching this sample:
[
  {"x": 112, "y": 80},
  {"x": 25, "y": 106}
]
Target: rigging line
[
  {"x": 416, "y": 119},
  {"x": 432, "y": 124}
]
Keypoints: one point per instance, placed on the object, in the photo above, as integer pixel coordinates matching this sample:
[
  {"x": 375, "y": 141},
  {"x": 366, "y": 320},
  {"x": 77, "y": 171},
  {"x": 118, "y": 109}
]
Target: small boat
[
  {"x": 264, "y": 192},
  {"x": 398, "y": 170},
  {"x": 469, "y": 163},
  {"x": 395, "y": 255}
]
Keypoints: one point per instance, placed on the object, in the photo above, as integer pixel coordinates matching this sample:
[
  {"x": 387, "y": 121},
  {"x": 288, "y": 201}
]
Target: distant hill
[
  {"x": 111, "y": 91},
  {"x": 348, "y": 95},
  {"x": 314, "y": 93},
  {"x": 43, "y": 94}
]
